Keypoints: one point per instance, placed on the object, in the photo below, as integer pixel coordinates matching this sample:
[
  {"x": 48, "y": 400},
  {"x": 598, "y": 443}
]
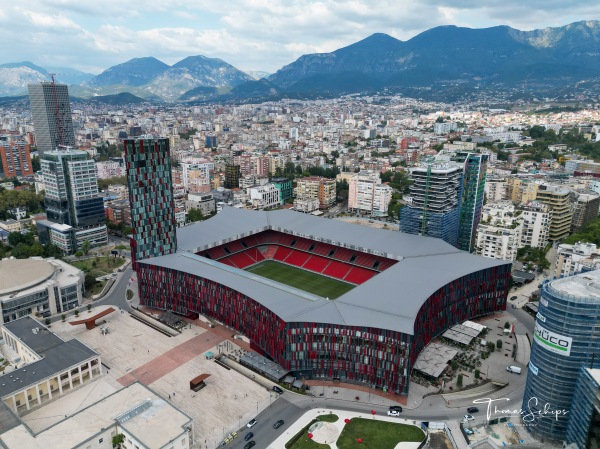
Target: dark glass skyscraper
[{"x": 148, "y": 163}]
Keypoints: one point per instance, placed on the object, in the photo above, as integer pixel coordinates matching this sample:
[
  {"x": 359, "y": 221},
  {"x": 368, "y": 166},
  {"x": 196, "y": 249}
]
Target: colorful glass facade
[
  {"x": 364, "y": 355},
  {"x": 148, "y": 164}
]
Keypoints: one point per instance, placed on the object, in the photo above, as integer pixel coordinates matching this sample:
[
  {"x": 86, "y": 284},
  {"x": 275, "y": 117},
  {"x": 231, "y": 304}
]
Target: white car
[
  {"x": 393, "y": 413},
  {"x": 467, "y": 418},
  {"x": 251, "y": 424}
]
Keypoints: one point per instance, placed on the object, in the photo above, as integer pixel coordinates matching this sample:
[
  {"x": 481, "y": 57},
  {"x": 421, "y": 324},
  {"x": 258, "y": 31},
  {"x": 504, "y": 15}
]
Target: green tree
[
  {"x": 21, "y": 251},
  {"x": 477, "y": 374},
  {"x": 459, "y": 381},
  {"x": 499, "y": 344},
  {"x": 85, "y": 247},
  {"x": 51, "y": 250},
  {"x": 117, "y": 440},
  {"x": 195, "y": 215}
]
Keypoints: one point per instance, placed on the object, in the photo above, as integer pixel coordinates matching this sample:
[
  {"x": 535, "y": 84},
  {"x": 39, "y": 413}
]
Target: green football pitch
[{"x": 301, "y": 279}]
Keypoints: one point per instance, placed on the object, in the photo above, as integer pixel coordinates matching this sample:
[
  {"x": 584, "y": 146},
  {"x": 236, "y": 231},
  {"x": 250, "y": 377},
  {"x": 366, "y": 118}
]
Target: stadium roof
[{"x": 390, "y": 300}]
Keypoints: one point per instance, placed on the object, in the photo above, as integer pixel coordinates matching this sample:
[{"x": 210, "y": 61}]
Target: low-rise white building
[
  {"x": 573, "y": 259},
  {"x": 266, "y": 196}
]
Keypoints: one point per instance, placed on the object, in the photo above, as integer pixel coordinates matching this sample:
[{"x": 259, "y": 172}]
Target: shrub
[
  {"x": 454, "y": 365},
  {"x": 499, "y": 344},
  {"x": 459, "y": 381},
  {"x": 507, "y": 325},
  {"x": 89, "y": 307},
  {"x": 76, "y": 312},
  {"x": 477, "y": 374},
  {"x": 47, "y": 321},
  {"x": 64, "y": 316}
]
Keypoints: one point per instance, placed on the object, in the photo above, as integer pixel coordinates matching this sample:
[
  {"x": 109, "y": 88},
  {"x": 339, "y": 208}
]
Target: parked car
[
  {"x": 250, "y": 444},
  {"x": 393, "y": 413},
  {"x": 248, "y": 436},
  {"x": 278, "y": 424},
  {"x": 396, "y": 408},
  {"x": 512, "y": 298},
  {"x": 468, "y": 418},
  {"x": 472, "y": 409},
  {"x": 251, "y": 424},
  {"x": 278, "y": 390},
  {"x": 468, "y": 431}
]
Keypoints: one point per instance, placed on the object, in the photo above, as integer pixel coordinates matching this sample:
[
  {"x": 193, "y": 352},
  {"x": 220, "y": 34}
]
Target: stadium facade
[{"x": 408, "y": 290}]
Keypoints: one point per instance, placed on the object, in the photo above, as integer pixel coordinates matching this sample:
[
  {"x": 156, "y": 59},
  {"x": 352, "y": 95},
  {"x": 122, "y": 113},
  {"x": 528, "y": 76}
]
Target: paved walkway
[
  {"x": 333, "y": 430},
  {"x": 153, "y": 370}
]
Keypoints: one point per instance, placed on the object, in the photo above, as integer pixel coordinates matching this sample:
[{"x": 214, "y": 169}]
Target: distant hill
[
  {"x": 70, "y": 76},
  {"x": 135, "y": 72},
  {"x": 118, "y": 99}
]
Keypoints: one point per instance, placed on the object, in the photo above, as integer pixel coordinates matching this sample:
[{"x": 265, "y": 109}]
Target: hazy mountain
[
  {"x": 446, "y": 55},
  {"x": 192, "y": 72},
  {"x": 135, "y": 72},
  {"x": 69, "y": 76},
  {"x": 257, "y": 74},
  {"x": 15, "y": 76}
]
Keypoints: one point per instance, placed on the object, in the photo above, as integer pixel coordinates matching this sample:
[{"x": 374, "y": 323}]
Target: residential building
[
  {"x": 444, "y": 128},
  {"x": 15, "y": 158},
  {"x": 499, "y": 232},
  {"x": 110, "y": 169},
  {"x": 233, "y": 174},
  {"x": 285, "y": 187},
  {"x": 38, "y": 286},
  {"x": 366, "y": 194},
  {"x": 306, "y": 205},
  {"x": 577, "y": 258},
  {"x": 585, "y": 209},
  {"x": 72, "y": 200},
  {"x": 521, "y": 190},
  {"x": 265, "y": 197},
  {"x": 51, "y": 112},
  {"x": 496, "y": 190},
  {"x": 536, "y": 218},
  {"x": 148, "y": 163},
  {"x": 203, "y": 202},
  {"x": 560, "y": 344},
  {"x": 557, "y": 198},
  {"x": 435, "y": 195},
  {"x": 317, "y": 187}
]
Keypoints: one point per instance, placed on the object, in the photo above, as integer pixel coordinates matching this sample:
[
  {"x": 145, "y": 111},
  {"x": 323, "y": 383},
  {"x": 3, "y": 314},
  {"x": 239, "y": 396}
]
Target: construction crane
[
  {"x": 57, "y": 109},
  {"x": 426, "y": 201}
]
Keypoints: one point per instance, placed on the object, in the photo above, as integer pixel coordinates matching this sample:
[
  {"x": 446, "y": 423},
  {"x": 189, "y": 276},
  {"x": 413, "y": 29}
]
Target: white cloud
[{"x": 250, "y": 34}]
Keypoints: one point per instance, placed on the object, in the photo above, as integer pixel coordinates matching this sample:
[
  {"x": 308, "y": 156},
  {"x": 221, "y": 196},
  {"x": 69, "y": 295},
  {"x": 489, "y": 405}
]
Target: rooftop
[
  {"x": 584, "y": 285},
  {"x": 141, "y": 412},
  {"x": 56, "y": 355},
  {"x": 425, "y": 265},
  {"x": 19, "y": 274}
]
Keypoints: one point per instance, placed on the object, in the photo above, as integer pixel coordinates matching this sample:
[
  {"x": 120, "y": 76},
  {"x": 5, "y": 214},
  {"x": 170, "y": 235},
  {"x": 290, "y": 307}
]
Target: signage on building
[
  {"x": 533, "y": 369},
  {"x": 552, "y": 341},
  {"x": 541, "y": 317}
]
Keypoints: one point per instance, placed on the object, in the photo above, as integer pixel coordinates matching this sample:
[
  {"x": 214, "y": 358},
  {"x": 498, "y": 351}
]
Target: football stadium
[{"x": 323, "y": 298}]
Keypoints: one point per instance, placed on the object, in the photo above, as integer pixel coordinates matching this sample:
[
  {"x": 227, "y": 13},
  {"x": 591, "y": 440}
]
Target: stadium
[{"x": 323, "y": 298}]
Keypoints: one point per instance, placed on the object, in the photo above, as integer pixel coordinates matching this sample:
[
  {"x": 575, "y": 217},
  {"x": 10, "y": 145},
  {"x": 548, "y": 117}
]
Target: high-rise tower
[
  {"x": 472, "y": 193},
  {"x": 148, "y": 164},
  {"x": 51, "y": 113},
  {"x": 75, "y": 211}
]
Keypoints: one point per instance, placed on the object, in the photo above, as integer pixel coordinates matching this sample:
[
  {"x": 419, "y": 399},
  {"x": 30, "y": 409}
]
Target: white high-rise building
[
  {"x": 367, "y": 194},
  {"x": 536, "y": 218},
  {"x": 51, "y": 111},
  {"x": 498, "y": 234}
]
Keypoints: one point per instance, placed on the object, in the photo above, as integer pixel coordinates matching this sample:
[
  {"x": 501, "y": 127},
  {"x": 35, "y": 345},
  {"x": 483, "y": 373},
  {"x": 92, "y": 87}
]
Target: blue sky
[{"x": 92, "y": 35}]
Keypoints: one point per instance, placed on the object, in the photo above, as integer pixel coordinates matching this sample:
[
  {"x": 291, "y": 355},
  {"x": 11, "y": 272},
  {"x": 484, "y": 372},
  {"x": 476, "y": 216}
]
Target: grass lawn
[
  {"x": 104, "y": 265},
  {"x": 377, "y": 434},
  {"x": 301, "y": 279}
]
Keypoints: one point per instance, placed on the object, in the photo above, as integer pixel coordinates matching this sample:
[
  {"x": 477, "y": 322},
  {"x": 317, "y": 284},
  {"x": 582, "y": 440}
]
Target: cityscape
[{"x": 361, "y": 248}]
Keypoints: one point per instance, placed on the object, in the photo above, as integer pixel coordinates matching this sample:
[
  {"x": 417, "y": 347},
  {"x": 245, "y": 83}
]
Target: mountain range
[{"x": 442, "y": 59}]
